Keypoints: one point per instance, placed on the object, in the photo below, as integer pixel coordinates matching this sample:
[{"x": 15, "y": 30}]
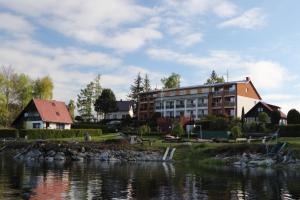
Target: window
[
  {"x": 260, "y": 110},
  {"x": 36, "y": 125},
  {"x": 246, "y": 90},
  {"x": 194, "y": 91},
  {"x": 60, "y": 126},
  {"x": 57, "y": 113},
  {"x": 182, "y": 92},
  {"x": 53, "y": 104}
]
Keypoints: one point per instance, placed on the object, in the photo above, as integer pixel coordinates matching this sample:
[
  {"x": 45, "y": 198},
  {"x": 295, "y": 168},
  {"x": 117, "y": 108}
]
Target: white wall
[
  {"x": 245, "y": 102},
  {"x": 29, "y": 124},
  {"x": 118, "y": 115}
]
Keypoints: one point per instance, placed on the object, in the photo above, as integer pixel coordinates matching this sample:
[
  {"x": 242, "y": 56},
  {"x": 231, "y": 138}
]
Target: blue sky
[{"x": 73, "y": 40}]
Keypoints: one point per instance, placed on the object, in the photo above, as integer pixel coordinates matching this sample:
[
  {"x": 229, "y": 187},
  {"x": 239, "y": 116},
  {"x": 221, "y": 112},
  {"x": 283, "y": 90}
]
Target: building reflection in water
[{"x": 99, "y": 180}]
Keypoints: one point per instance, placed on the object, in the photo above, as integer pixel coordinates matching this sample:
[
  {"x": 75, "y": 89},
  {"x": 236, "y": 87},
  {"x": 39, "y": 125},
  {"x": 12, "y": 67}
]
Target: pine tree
[
  {"x": 214, "y": 78},
  {"x": 136, "y": 88},
  {"x": 71, "y": 108},
  {"x": 146, "y": 84},
  {"x": 85, "y": 102}
]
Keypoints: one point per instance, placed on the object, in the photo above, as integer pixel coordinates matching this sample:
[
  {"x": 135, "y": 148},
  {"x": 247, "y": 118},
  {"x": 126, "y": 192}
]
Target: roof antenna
[{"x": 227, "y": 75}]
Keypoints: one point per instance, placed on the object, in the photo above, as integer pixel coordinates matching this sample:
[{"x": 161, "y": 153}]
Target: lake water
[{"x": 96, "y": 180}]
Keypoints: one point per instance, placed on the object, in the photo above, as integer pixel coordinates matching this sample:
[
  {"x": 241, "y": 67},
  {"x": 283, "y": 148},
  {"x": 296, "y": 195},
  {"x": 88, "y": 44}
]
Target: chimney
[{"x": 248, "y": 78}]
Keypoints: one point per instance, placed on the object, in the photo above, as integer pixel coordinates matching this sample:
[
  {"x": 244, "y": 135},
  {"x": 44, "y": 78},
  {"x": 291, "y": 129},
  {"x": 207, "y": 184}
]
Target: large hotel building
[{"x": 227, "y": 98}]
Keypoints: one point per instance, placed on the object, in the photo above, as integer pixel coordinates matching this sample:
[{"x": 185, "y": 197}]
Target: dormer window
[
  {"x": 53, "y": 104},
  {"x": 57, "y": 113}
]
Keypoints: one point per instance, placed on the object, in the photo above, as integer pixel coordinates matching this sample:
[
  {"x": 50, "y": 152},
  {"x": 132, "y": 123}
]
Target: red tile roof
[{"x": 53, "y": 111}]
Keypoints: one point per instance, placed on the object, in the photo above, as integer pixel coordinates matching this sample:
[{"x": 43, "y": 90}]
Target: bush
[
  {"x": 54, "y": 133},
  {"x": 293, "y": 117},
  {"x": 9, "y": 133},
  {"x": 236, "y": 132},
  {"x": 290, "y": 131},
  {"x": 144, "y": 129},
  {"x": 86, "y": 126},
  {"x": 178, "y": 129},
  {"x": 263, "y": 118}
]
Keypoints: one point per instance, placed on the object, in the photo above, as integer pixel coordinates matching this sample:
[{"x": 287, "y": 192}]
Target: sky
[{"x": 74, "y": 40}]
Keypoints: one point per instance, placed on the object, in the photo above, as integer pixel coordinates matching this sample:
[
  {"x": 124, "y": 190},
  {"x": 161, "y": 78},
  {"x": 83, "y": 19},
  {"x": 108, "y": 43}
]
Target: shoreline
[{"x": 238, "y": 155}]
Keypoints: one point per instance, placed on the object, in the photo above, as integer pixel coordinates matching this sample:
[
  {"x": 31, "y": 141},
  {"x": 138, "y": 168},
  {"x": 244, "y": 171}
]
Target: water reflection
[{"x": 98, "y": 180}]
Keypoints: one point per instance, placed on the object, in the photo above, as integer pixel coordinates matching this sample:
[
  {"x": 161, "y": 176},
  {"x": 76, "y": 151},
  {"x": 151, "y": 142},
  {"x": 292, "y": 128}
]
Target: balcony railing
[
  {"x": 202, "y": 104},
  {"x": 229, "y": 92},
  {"x": 169, "y": 106},
  {"x": 217, "y": 104},
  {"x": 179, "y": 105},
  {"x": 190, "y": 105},
  {"x": 229, "y": 103}
]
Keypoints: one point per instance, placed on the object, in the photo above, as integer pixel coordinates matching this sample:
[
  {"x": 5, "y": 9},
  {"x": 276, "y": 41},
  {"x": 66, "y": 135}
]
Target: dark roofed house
[
  {"x": 252, "y": 114},
  {"x": 44, "y": 114},
  {"x": 124, "y": 109}
]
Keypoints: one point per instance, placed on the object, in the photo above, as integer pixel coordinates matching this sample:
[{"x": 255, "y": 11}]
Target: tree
[
  {"x": 173, "y": 81},
  {"x": 178, "y": 129},
  {"x": 263, "y": 118},
  {"x": 293, "y": 117},
  {"x": 97, "y": 92},
  {"x": 85, "y": 102},
  {"x": 243, "y": 116},
  {"x": 7, "y": 84},
  {"x": 144, "y": 129},
  {"x": 71, "y": 108},
  {"x": 214, "y": 78},
  {"x": 97, "y": 87},
  {"x": 106, "y": 102},
  {"x": 275, "y": 117},
  {"x": 23, "y": 90},
  {"x": 136, "y": 88},
  {"x": 43, "y": 88},
  {"x": 236, "y": 132},
  {"x": 146, "y": 84}
]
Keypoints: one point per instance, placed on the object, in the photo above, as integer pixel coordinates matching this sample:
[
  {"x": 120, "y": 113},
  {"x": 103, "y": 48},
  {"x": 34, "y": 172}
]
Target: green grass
[{"x": 104, "y": 137}]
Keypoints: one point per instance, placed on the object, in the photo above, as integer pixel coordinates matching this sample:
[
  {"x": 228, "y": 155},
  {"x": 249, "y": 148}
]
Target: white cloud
[
  {"x": 266, "y": 74},
  {"x": 221, "y": 8},
  {"x": 250, "y": 19},
  {"x": 190, "y": 39},
  {"x": 103, "y": 23},
  {"x": 15, "y": 25}
]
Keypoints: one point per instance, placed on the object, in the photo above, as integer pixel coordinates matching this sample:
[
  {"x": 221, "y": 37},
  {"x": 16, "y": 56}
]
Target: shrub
[
  {"x": 144, "y": 129},
  {"x": 178, "y": 129},
  {"x": 290, "y": 130},
  {"x": 275, "y": 117},
  {"x": 293, "y": 117},
  {"x": 9, "y": 133},
  {"x": 54, "y": 133},
  {"x": 219, "y": 124},
  {"x": 263, "y": 118},
  {"x": 236, "y": 132}
]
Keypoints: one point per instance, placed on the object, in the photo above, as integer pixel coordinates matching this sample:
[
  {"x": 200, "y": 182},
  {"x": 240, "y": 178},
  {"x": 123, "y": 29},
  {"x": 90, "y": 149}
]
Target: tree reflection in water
[{"x": 101, "y": 180}]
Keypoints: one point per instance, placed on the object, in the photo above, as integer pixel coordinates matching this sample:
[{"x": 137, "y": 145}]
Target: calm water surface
[{"x": 96, "y": 180}]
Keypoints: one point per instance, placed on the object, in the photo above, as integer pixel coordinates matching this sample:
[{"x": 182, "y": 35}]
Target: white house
[
  {"x": 124, "y": 109},
  {"x": 44, "y": 114}
]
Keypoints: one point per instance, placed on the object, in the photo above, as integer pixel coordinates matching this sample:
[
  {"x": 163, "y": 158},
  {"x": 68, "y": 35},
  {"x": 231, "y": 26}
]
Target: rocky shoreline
[
  {"x": 49, "y": 152},
  {"x": 258, "y": 160}
]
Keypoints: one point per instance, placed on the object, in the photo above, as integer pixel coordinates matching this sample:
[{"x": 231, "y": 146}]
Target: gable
[{"x": 247, "y": 89}]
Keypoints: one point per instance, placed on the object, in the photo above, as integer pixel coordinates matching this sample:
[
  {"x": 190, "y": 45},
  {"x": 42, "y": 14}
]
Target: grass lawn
[{"x": 104, "y": 137}]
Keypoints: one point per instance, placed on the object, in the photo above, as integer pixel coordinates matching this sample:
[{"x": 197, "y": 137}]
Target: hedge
[
  {"x": 86, "y": 126},
  {"x": 9, "y": 133},
  {"x": 292, "y": 130},
  {"x": 53, "y": 133}
]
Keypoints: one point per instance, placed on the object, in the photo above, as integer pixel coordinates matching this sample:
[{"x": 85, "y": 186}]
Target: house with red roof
[
  {"x": 44, "y": 114},
  {"x": 252, "y": 114}
]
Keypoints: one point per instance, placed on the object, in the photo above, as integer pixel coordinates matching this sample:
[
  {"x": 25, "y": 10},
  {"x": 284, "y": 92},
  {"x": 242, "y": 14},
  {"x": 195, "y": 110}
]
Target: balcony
[
  {"x": 190, "y": 105},
  {"x": 229, "y": 103},
  {"x": 169, "y": 106},
  {"x": 229, "y": 92},
  {"x": 218, "y": 93},
  {"x": 179, "y": 105},
  {"x": 202, "y": 104},
  {"x": 217, "y": 104}
]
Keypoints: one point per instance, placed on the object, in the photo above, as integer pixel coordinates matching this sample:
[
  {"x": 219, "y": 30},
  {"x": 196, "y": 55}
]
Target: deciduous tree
[
  {"x": 106, "y": 102},
  {"x": 43, "y": 88},
  {"x": 173, "y": 81}
]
